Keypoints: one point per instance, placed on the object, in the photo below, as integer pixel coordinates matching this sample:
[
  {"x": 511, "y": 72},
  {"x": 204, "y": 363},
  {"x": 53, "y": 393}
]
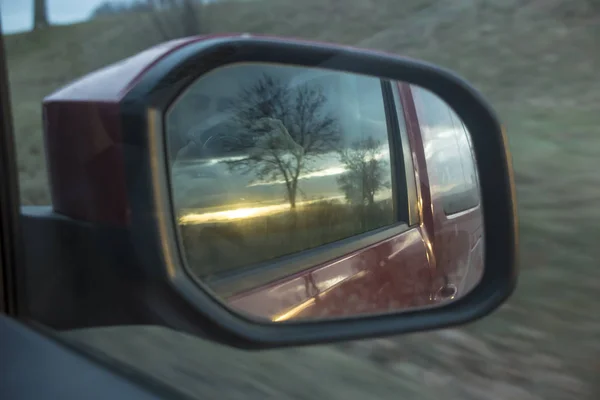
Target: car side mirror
[{"x": 281, "y": 192}]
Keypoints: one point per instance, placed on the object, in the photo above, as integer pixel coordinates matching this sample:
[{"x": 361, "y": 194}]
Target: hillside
[
  {"x": 517, "y": 57},
  {"x": 537, "y": 61}
]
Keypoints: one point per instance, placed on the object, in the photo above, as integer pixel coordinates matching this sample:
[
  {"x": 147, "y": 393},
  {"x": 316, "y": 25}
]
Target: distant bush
[
  {"x": 114, "y": 8},
  {"x": 178, "y": 18},
  {"x": 172, "y": 19}
]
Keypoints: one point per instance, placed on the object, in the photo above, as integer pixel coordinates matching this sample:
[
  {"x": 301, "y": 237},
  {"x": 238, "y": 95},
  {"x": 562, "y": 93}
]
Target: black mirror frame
[{"x": 179, "y": 302}]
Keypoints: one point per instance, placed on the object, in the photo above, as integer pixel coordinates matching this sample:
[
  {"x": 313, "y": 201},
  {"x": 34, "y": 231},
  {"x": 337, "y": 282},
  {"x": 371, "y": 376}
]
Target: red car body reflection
[
  {"x": 364, "y": 282},
  {"x": 84, "y": 142}
]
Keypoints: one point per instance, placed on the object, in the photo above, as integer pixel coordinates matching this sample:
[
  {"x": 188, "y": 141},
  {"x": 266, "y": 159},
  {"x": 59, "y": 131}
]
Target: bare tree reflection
[
  {"x": 280, "y": 130},
  {"x": 275, "y": 131}
]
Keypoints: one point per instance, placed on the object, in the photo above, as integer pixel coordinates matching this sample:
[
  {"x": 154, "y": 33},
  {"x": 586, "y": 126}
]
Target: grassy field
[
  {"x": 213, "y": 249},
  {"x": 537, "y": 63}
]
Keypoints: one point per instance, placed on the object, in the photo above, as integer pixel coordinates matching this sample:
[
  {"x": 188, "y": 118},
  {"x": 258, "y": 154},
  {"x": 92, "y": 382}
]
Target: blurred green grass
[{"x": 537, "y": 65}]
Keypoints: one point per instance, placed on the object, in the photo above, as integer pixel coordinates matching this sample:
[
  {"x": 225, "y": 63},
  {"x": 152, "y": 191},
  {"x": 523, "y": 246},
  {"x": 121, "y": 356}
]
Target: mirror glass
[{"x": 306, "y": 193}]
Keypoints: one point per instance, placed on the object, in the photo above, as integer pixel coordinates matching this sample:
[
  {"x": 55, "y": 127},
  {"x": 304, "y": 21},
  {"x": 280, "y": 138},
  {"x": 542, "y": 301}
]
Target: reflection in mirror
[{"x": 302, "y": 193}]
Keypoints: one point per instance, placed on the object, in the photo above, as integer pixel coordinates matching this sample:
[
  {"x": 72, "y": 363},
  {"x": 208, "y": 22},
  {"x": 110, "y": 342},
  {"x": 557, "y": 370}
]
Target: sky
[{"x": 17, "y": 15}]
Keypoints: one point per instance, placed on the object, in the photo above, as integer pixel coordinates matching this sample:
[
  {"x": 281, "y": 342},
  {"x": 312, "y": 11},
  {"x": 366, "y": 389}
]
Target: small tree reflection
[{"x": 365, "y": 176}]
